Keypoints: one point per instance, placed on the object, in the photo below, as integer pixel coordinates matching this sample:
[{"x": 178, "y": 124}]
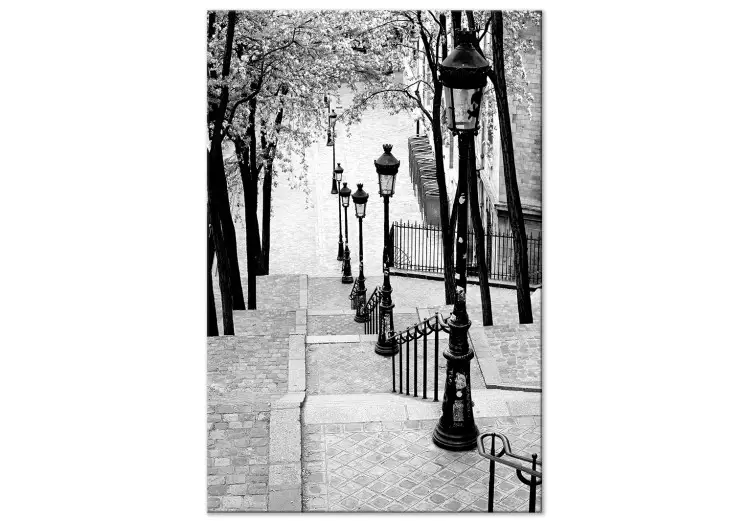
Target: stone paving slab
[
  {"x": 394, "y": 466},
  {"x": 485, "y": 357}
]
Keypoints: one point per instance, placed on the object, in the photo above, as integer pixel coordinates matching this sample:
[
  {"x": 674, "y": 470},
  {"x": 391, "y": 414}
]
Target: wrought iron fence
[
  {"x": 535, "y": 476},
  {"x": 422, "y": 330},
  {"x": 419, "y": 247}
]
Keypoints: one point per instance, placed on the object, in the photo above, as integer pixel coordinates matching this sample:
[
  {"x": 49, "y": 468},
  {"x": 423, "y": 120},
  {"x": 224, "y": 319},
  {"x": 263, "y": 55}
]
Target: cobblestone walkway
[
  {"x": 247, "y": 373},
  {"x": 356, "y": 368},
  {"x": 395, "y": 466},
  {"x": 517, "y": 352}
]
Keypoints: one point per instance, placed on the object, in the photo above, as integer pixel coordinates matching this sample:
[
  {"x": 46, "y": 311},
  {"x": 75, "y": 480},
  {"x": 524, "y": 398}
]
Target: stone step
[{"x": 356, "y": 408}]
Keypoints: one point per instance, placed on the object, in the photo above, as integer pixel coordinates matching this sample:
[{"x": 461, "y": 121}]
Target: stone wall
[{"x": 526, "y": 130}]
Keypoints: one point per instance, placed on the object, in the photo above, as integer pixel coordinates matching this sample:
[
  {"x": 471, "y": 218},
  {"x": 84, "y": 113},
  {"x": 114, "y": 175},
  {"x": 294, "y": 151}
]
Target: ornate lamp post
[
  {"x": 360, "y": 204},
  {"x": 387, "y": 167},
  {"x": 338, "y": 173},
  {"x": 344, "y": 194},
  {"x": 463, "y": 73}
]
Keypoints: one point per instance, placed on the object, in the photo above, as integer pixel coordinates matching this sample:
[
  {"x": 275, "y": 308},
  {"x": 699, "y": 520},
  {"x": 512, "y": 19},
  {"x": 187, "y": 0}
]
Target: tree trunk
[
  {"x": 267, "y": 185},
  {"x": 223, "y": 262},
  {"x": 247, "y": 159},
  {"x": 509, "y": 169},
  {"x": 449, "y": 268},
  {"x": 213, "y": 326},
  {"x": 218, "y": 194},
  {"x": 476, "y": 217},
  {"x": 252, "y": 237},
  {"x": 221, "y": 201}
]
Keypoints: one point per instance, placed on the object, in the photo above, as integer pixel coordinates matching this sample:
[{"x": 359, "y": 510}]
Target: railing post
[
  {"x": 532, "y": 487},
  {"x": 393, "y": 372},
  {"x": 424, "y": 364},
  {"x": 435, "y": 382},
  {"x": 491, "y": 494}
]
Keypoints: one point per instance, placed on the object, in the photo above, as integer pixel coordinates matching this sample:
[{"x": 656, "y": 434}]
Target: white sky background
[{"x": 103, "y": 211}]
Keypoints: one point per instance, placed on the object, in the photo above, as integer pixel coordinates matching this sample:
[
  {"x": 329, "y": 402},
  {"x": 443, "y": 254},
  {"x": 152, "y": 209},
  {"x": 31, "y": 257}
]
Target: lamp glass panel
[
  {"x": 466, "y": 105},
  {"x": 359, "y": 209},
  {"x": 449, "y": 107},
  {"x": 344, "y": 200},
  {"x": 386, "y": 184}
]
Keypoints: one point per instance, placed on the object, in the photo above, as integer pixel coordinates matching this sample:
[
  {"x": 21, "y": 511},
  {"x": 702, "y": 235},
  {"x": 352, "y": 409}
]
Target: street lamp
[
  {"x": 360, "y": 204},
  {"x": 338, "y": 173},
  {"x": 387, "y": 168},
  {"x": 344, "y": 194},
  {"x": 463, "y": 74}
]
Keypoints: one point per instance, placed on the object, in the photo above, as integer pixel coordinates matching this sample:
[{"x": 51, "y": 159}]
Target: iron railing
[
  {"x": 535, "y": 476},
  {"x": 353, "y": 294},
  {"x": 420, "y": 248},
  {"x": 372, "y": 311},
  {"x": 422, "y": 330}
]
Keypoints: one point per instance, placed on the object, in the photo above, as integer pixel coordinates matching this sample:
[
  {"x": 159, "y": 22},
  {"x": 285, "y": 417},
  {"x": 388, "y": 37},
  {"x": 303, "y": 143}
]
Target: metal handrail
[
  {"x": 433, "y": 324},
  {"x": 372, "y": 312},
  {"x": 533, "y": 481},
  {"x": 353, "y": 295},
  {"x": 374, "y": 300},
  {"x": 401, "y": 337}
]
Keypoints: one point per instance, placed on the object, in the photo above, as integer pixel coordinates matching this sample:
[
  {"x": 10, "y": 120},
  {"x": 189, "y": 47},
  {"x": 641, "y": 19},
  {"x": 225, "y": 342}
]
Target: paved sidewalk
[{"x": 391, "y": 464}]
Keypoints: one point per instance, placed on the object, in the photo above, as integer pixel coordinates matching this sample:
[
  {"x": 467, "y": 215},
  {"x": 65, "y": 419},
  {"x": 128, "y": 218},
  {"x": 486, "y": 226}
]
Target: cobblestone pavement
[
  {"x": 517, "y": 351},
  {"x": 324, "y": 325},
  {"x": 356, "y": 368},
  {"x": 274, "y": 293},
  {"x": 247, "y": 373},
  {"x": 395, "y": 466},
  {"x": 330, "y": 293}
]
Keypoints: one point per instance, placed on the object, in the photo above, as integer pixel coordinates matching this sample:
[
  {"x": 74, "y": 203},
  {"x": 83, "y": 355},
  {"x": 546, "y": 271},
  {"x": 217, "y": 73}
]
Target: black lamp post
[
  {"x": 360, "y": 204},
  {"x": 463, "y": 74},
  {"x": 387, "y": 167},
  {"x": 338, "y": 174},
  {"x": 344, "y": 194}
]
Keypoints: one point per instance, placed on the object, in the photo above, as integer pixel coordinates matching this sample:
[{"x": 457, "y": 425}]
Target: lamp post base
[
  {"x": 361, "y": 316},
  {"x": 386, "y": 346},
  {"x": 386, "y": 349},
  {"x": 456, "y": 440}
]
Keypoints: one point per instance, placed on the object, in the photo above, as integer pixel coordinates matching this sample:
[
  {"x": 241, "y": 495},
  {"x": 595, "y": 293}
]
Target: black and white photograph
[
  {"x": 477, "y": 260},
  {"x": 374, "y": 247}
]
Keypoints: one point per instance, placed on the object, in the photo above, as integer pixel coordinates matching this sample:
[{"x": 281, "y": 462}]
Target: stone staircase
[{"x": 299, "y": 367}]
